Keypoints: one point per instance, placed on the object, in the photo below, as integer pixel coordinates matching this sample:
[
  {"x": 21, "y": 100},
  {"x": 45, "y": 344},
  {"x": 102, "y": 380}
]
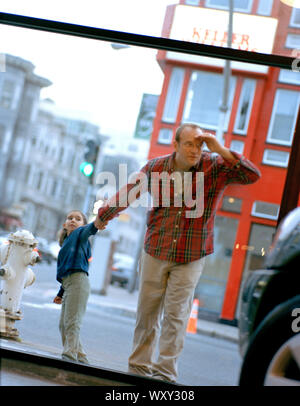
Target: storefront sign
[{"x": 209, "y": 26}]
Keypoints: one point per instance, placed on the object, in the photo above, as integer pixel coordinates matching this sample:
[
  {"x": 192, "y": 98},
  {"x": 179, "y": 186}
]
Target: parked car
[
  {"x": 54, "y": 248},
  {"x": 122, "y": 269},
  {"x": 269, "y": 322},
  {"x": 44, "y": 250},
  {"x": 4, "y": 238}
]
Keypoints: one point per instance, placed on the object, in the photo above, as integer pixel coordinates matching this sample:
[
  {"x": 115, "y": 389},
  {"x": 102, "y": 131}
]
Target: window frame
[
  {"x": 264, "y": 216},
  {"x": 269, "y": 12},
  {"x": 231, "y": 93},
  {"x": 280, "y": 61},
  {"x": 239, "y": 142},
  {"x": 289, "y": 81},
  {"x": 289, "y": 42},
  {"x": 292, "y": 23},
  {"x": 271, "y": 162},
  {"x": 175, "y": 85},
  {"x": 160, "y": 139},
  {"x": 192, "y": 2},
  {"x": 252, "y": 94},
  {"x": 3, "y": 131},
  {"x": 269, "y": 140},
  {"x": 236, "y": 9}
]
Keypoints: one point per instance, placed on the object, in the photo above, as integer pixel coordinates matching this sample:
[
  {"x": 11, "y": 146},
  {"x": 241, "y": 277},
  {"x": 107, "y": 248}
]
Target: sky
[{"x": 89, "y": 77}]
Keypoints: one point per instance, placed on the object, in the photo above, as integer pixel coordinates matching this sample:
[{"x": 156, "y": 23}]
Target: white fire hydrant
[{"x": 15, "y": 275}]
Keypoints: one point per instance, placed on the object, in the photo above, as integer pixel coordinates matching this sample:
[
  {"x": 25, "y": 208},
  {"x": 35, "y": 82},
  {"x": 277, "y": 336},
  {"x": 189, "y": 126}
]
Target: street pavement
[
  {"x": 117, "y": 301},
  {"x": 120, "y": 301}
]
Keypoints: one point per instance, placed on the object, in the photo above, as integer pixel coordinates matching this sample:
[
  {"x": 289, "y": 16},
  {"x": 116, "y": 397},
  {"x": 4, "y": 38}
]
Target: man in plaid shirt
[{"x": 186, "y": 187}]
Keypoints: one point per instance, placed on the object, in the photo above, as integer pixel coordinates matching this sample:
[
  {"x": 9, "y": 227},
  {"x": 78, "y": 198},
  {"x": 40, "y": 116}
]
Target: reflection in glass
[
  {"x": 49, "y": 112},
  {"x": 211, "y": 287},
  {"x": 260, "y": 240}
]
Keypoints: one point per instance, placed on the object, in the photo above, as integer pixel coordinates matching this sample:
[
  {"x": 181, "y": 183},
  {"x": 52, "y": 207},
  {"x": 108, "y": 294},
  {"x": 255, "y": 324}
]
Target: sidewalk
[{"x": 120, "y": 301}]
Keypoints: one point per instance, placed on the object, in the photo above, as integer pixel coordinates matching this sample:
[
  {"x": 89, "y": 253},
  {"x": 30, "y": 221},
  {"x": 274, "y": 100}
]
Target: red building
[{"x": 262, "y": 111}]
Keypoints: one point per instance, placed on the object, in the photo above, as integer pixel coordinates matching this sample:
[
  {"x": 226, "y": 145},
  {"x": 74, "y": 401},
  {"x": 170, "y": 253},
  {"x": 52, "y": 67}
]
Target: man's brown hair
[{"x": 182, "y": 127}]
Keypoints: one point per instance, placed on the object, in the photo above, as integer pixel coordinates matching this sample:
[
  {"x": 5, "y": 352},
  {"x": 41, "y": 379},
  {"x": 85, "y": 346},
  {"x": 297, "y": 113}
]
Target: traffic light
[{"x": 87, "y": 167}]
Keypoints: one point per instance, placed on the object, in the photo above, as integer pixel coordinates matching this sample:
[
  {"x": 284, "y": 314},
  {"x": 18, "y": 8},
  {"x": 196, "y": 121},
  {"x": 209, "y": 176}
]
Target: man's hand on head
[
  {"x": 211, "y": 141},
  {"x": 214, "y": 146}
]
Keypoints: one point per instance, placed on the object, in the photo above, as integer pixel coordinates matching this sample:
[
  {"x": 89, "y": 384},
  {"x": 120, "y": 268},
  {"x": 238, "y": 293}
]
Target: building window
[
  {"x": 265, "y": 210},
  {"x": 210, "y": 290},
  {"x": 31, "y": 175},
  {"x": 245, "y": 105},
  {"x": 49, "y": 186},
  {"x": 192, "y": 2},
  {"x": 27, "y": 173},
  {"x": 202, "y": 105},
  {"x": 7, "y": 94},
  {"x": 276, "y": 158},
  {"x": 27, "y": 108},
  {"x": 61, "y": 155},
  {"x": 261, "y": 237},
  {"x": 284, "y": 117},
  {"x": 288, "y": 76},
  {"x": 232, "y": 204},
  {"x": 18, "y": 149},
  {"x": 265, "y": 7},
  {"x": 237, "y": 146},
  {"x": 173, "y": 95},
  {"x": 2, "y": 136},
  {"x": 39, "y": 181},
  {"x": 54, "y": 188},
  {"x": 260, "y": 240},
  {"x": 292, "y": 41},
  {"x": 295, "y": 18},
  {"x": 239, "y": 5},
  {"x": 165, "y": 136}
]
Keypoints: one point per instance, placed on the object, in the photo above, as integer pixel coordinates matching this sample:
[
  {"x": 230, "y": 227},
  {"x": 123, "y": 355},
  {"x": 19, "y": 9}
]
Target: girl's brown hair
[{"x": 62, "y": 234}]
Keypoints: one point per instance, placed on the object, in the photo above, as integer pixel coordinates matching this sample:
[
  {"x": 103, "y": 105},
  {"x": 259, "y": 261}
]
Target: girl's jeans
[{"x": 76, "y": 292}]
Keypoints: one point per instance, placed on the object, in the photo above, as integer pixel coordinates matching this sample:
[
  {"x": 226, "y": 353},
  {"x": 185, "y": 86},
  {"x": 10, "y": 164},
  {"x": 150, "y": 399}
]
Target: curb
[{"x": 210, "y": 329}]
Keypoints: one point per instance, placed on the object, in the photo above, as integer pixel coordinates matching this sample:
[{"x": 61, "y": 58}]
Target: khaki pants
[
  {"x": 76, "y": 294},
  {"x": 165, "y": 298}
]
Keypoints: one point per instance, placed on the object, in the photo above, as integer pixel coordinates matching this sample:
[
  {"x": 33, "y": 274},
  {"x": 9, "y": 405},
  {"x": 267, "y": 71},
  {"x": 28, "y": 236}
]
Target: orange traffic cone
[{"x": 192, "y": 324}]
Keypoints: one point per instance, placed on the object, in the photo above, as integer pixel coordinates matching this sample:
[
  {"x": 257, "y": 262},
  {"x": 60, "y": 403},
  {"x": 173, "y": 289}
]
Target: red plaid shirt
[{"x": 171, "y": 234}]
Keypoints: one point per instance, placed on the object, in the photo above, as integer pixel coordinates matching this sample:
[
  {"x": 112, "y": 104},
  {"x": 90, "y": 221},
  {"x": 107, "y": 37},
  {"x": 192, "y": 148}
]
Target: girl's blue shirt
[{"x": 75, "y": 252}]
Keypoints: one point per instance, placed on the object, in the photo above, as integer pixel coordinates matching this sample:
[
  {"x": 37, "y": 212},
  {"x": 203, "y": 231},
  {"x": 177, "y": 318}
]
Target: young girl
[{"x": 72, "y": 272}]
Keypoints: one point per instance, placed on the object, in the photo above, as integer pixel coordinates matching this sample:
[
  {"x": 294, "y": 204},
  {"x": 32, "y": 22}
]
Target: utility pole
[{"x": 226, "y": 79}]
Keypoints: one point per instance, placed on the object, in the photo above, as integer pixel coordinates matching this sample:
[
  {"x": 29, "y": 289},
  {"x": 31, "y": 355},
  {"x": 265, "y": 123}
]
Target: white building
[{"x": 40, "y": 153}]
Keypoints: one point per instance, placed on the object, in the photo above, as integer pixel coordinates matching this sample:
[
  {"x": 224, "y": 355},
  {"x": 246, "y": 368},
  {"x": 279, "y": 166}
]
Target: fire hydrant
[{"x": 15, "y": 275}]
